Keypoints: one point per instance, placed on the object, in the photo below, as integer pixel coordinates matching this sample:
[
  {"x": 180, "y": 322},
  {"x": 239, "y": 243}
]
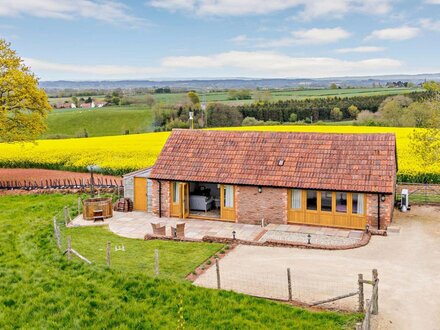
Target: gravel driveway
[{"x": 408, "y": 263}]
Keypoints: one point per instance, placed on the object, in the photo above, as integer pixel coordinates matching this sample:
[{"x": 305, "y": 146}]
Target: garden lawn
[
  {"x": 40, "y": 289},
  {"x": 175, "y": 260}
]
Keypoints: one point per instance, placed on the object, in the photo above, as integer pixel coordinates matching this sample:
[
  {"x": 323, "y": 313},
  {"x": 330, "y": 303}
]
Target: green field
[
  {"x": 113, "y": 120},
  {"x": 282, "y": 95},
  {"x": 40, "y": 289},
  {"x": 277, "y": 95}
]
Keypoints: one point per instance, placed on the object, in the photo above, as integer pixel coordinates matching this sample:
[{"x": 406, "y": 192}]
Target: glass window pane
[
  {"x": 326, "y": 201},
  {"x": 229, "y": 196},
  {"x": 295, "y": 202},
  {"x": 312, "y": 200},
  {"x": 358, "y": 203},
  {"x": 175, "y": 192},
  {"x": 341, "y": 202}
]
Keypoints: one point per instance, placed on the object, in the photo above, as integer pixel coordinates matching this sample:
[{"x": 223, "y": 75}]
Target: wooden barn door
[{"x": 140, "y": 194}]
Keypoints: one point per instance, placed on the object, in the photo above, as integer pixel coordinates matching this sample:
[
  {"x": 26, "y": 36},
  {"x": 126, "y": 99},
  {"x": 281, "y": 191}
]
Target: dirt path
[{"x": 408, "y": 265}]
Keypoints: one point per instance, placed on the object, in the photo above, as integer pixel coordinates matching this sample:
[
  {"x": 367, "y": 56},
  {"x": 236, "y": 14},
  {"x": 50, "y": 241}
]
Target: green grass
[
  {"x": 176, "y": 260},
  {"x": 104, "y": 121},
  {"x": 282, "y": 95},
  {"x": 40, "y": 289}
]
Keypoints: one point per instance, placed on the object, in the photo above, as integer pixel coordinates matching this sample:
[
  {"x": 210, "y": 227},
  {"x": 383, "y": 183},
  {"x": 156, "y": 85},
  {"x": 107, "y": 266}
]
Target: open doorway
[{"x": 204, "y": 200}]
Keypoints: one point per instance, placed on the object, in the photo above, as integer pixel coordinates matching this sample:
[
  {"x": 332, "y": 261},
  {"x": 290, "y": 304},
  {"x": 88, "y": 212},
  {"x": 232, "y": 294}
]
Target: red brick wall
[
  {"x": 252, "y": 206},
  {"x": 165, "y": 198},
  {"x": 386, "y": 211}
]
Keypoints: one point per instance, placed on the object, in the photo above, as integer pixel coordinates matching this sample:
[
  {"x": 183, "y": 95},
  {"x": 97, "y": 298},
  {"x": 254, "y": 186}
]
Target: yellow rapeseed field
[{"x": 121, "y": 154}]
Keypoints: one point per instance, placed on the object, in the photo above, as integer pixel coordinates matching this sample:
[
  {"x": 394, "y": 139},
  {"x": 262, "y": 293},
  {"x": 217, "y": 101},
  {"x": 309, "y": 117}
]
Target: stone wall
[
  {"x": 165, "y": 197},
  {"x": 386, "y": 211},
  {"x": 252, "y": 206}
]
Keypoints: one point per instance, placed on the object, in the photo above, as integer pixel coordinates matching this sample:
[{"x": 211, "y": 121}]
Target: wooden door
[
  {"x": 175, "y": 209},
  {"x": 227, "y": 202},
  {"x": 140, "y": 194},
  {"x": 184, "y": 199}
]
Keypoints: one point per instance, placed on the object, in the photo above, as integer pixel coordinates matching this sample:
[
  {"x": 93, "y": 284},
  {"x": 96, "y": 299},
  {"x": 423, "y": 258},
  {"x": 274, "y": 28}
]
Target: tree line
[{"x": 315, "y": 109}]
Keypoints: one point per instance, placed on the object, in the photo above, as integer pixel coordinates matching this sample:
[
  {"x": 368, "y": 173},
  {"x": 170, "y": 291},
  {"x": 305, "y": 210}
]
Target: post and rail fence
[{"x": 420, "y": 193}]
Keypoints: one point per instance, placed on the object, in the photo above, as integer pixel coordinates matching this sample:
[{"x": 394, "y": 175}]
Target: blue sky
[{"x": 154, "y": 39}]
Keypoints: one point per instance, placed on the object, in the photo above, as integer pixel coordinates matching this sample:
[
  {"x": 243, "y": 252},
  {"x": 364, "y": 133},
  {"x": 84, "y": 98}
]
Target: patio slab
[{"x": 138, "y": 224}]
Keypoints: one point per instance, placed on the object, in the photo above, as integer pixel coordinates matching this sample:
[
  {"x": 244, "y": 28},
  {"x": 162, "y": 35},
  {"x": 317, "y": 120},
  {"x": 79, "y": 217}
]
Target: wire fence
[{"x": 290, "y": 284}]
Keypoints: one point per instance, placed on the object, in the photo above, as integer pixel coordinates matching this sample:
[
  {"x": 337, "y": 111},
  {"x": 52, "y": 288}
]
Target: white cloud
[
  {"x": 104, "y": 10},
  {"x": 91, "y": 70},
  {"x": 273, "y": 64},
  {"x": 429, "y": 24},
  {"x": 433, "y": 2},
  {"x": 399, "y": 33},
  {"x": 362, "y": 49},
  {"x": 313, "y": 36},
  {"x": 309, "y": 8},
  {"x": 226, "y": 64},
  {"x": 240, "y": 39}
]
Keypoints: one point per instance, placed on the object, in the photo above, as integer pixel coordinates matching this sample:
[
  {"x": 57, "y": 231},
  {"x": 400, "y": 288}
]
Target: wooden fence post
[
  {"x": 156, "y": 256},
  {"x": 79, "y": 205},
  {"x": 107, "y": 255},
  {"x": 359, "y": 326},
  {"x": 375, "y": 292},
  {"x": 217, "y": 269},
  {"x": 69, "y": 248},
  {"x": 66, "y": 218},
  {"x": 56, "y": 232},
  {"x": 361, "y": 293},
  {"x": 289, "y": 284}
]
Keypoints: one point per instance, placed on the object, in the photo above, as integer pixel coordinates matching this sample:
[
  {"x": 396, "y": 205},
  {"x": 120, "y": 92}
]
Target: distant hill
[{"x": 235, "y": 83}]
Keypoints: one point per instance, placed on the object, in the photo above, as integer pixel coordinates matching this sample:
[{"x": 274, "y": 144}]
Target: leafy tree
[
  {"x": 367, "y": 118},
  {"x": 425, "y": 142},
  {"x": 262, "y": 96},
  {"x": 193, "y": 97},
  {"x": 242, "y": 94},
  {"x": 333, "y": 86},
  {"x": 353, "y": 111},
  {"x": 336, "y": 114},
  {"x": 116, "y": 100},
  {"x": 75, "y": 101},
  {"x": 222, "y": 115},
  {"x": 432, "y": 86},
  {"x": 293, "y": 117},
  {"x": 23, "y": 106},
  {"x": 89, "y": 100}
]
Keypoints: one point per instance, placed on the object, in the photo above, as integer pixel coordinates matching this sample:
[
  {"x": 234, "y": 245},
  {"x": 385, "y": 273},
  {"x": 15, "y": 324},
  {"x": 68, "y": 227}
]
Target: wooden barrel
[{"x": 93, "y": 204}]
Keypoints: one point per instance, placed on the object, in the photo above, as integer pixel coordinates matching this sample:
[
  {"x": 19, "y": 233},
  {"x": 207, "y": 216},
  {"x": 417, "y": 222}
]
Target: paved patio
[{"x": 138, "y": 224}]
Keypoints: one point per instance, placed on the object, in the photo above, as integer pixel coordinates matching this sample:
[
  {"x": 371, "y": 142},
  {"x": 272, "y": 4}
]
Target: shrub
[
  {"x": 367, "y": 118},
  {"x": 336, "y": 114},
  {"x": 353, "y": 111},
  {"x": 293, "y": 117},
  {"x": 251, "y": 121}
]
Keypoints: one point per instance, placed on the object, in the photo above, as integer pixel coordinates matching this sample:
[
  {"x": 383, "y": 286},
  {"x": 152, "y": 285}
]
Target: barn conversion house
[{"x": 336, "y": 180}]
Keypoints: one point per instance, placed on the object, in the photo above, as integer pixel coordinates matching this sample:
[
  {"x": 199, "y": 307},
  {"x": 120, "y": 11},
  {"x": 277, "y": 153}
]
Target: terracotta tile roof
[{"x": 348, "y": 162}]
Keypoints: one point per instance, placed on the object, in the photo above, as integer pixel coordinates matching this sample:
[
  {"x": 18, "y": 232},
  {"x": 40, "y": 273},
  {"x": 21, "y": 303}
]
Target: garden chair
[
  {"x": 178, "y": 231},
  {"x": 158, "y": 229}
]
